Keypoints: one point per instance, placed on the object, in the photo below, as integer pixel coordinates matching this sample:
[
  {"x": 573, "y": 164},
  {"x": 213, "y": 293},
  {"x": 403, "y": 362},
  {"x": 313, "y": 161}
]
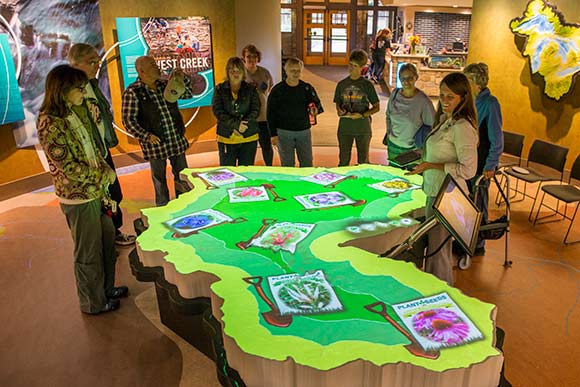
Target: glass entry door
[{"x": 326, "y": 34}]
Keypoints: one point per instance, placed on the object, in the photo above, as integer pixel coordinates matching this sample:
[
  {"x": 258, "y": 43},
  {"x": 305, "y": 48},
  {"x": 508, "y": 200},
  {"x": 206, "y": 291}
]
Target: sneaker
[
  {"x": 124, "y": 239},
  {"x": 118, "y": 292},
  {"x": 111, "y": 305}
]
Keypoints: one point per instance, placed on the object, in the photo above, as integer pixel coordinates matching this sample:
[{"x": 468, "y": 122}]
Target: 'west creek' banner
[{"x": 174, "y": 42}]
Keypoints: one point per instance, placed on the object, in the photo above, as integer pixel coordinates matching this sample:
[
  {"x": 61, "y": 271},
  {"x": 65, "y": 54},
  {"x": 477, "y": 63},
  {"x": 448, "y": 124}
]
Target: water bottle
[{"x": 312, "y": 113}]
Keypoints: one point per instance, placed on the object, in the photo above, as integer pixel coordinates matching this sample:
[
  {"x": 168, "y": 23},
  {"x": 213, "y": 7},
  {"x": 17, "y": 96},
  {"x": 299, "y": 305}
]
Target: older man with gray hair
[
  {"x": 151, "y": 114},
  {"x": 84, "y": 57},
  {"x": 490, "y": 146}
]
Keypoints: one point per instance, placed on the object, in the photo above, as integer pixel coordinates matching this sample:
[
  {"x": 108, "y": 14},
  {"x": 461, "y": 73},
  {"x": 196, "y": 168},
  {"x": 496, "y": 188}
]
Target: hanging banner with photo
[
  {"x": 40, "y": 35},
  {"x": 174, "y": 42},
  {"x": 10, "y": 101}
]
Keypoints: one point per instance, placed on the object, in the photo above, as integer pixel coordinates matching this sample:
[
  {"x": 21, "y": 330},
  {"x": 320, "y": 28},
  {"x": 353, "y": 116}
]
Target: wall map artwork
[{"x": 552, "y": 45}]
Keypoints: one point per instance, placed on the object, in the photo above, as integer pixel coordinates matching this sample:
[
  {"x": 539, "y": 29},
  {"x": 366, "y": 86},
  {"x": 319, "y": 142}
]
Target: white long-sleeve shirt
[{"x": 454, "y": 144}]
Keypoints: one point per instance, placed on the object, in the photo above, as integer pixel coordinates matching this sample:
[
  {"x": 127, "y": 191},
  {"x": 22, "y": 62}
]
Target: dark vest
[{"x": 149, "y": 116}]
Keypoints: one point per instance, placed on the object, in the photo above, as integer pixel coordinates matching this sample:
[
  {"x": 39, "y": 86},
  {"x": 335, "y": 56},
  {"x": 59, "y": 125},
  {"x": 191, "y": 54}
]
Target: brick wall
[{"x": 440, "y": 30}]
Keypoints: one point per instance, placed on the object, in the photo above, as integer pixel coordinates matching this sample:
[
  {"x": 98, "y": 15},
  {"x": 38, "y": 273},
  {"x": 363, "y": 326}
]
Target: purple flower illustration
[
  {"x": 220, "y": 175},
  {"x": 441, "y": 325},
  {"x": 327, "y": 198},
  {"x": 324, "y": 176}
]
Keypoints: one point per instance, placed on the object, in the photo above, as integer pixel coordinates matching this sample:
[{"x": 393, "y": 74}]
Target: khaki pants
[{"x": 93, "y": 235}]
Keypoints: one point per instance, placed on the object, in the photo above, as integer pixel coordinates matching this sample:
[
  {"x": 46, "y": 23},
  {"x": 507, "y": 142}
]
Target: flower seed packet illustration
[
  {"x": 324, "y": 200},
  {"x": 437, "y": 322},
  {"x": 197, "y": 221},
  {"x": 310, "y": 293},
  {"x": 221, "y": 177},
  {"x": 395, "y": 186},
  {"x": 248, "y": 194},
  {"x": 283, "y": 236},
  {"x": 324, "y": 178}
]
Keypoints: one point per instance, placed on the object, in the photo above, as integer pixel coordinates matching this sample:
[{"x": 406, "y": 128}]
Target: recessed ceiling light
[{"x": 455, "y": 6}]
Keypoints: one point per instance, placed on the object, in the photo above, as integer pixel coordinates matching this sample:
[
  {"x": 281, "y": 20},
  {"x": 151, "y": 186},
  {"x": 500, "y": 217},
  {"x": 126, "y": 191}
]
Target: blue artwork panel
[{"x": 11, "y": 109}]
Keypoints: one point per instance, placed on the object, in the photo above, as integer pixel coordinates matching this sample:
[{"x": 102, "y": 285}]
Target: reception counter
[{"x": 429, "y": 77}]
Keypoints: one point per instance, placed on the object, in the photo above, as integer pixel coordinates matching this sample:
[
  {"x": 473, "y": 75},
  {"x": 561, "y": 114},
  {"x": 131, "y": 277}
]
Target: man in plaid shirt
[{"x": 150, "y": 113}]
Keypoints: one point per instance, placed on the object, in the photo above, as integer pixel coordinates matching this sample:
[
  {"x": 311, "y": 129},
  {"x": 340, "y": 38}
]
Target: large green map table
[{"x": 300, "y": 304}]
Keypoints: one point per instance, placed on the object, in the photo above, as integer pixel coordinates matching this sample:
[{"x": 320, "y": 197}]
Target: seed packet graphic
[
  {"x": 437, "y": 322},
  {"x": 283, "y": 236},
  {"x": 197, "y": 221},
  {"x": 248, "y": 194},
  {"x": 221, "y": 177},
  {"x": 324, "y": 178},
  {"x": 310, "y": 293},
  {"x": 324, "y": 200},
  {"x": 395, "y": 186}
]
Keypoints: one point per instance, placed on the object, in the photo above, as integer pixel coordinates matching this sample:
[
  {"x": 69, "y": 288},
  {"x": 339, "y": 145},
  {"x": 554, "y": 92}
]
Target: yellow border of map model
[{"x": 552, "y": 45}]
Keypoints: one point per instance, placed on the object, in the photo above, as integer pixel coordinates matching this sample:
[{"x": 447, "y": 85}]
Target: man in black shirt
[{"x": 292, "y": 104}]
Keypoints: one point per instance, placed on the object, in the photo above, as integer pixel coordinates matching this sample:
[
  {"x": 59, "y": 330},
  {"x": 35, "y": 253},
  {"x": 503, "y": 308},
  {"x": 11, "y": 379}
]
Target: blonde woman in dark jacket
[{"x": 236, "y": 106}]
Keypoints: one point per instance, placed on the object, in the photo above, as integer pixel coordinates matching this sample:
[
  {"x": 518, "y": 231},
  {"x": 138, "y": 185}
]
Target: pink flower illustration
[
  {"x": 280, "y": 240},
  {"x": 253, "y": 192},
  {"x": 441, "y": 325}
]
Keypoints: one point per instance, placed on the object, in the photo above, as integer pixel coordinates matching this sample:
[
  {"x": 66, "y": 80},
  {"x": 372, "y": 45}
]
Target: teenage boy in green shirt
[{"x": 356, "y": 101}]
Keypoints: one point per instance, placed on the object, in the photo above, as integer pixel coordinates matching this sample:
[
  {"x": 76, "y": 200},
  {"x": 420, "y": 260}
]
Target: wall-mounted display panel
[{"x": 174, "y": 42}]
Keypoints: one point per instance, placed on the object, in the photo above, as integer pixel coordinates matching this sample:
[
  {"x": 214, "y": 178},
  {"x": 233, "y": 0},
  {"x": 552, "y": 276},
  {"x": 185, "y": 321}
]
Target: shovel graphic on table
[
  {"x": 273, "y": 316},
  {"x": 335, "y": 183},
  {"x": 415, "y": 348}
]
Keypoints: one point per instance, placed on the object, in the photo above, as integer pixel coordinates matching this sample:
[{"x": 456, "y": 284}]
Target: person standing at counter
[
  {"x": 450, "y": 148},
  {"x": 236, "y": 106},
  {"x": 410, "y": 115},
  {"x": 490, "y": 138},
  {"x": 289, "y": 105},
  {"x": 261, "y": 78},
  {"x": 381, "y": 51},
  {"x": 356, "y": 101}
]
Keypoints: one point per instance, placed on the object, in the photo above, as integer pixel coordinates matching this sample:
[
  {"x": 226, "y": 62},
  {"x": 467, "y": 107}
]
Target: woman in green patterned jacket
[{"x": 81, "y": 177}]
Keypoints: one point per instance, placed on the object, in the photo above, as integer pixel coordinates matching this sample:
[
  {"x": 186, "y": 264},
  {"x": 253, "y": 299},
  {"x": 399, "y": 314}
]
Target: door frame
[{"x": 326, "y": 57}]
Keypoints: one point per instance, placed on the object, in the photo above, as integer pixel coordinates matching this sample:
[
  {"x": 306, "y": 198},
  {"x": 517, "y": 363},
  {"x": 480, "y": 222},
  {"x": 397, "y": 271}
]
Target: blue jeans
[
  {"x": 379, "y": 62},
  {"x": 159, "y": 176},
  {"x": 299, "y": 141}
]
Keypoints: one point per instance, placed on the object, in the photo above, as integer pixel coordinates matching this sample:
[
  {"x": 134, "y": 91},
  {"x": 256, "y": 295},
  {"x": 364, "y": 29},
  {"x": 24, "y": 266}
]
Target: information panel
[{"x": 174, "y": 42}]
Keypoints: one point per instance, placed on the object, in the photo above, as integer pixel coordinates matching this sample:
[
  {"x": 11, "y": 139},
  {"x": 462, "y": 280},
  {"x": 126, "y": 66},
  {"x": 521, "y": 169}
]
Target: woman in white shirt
[{"x": 451, "y": 147}]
